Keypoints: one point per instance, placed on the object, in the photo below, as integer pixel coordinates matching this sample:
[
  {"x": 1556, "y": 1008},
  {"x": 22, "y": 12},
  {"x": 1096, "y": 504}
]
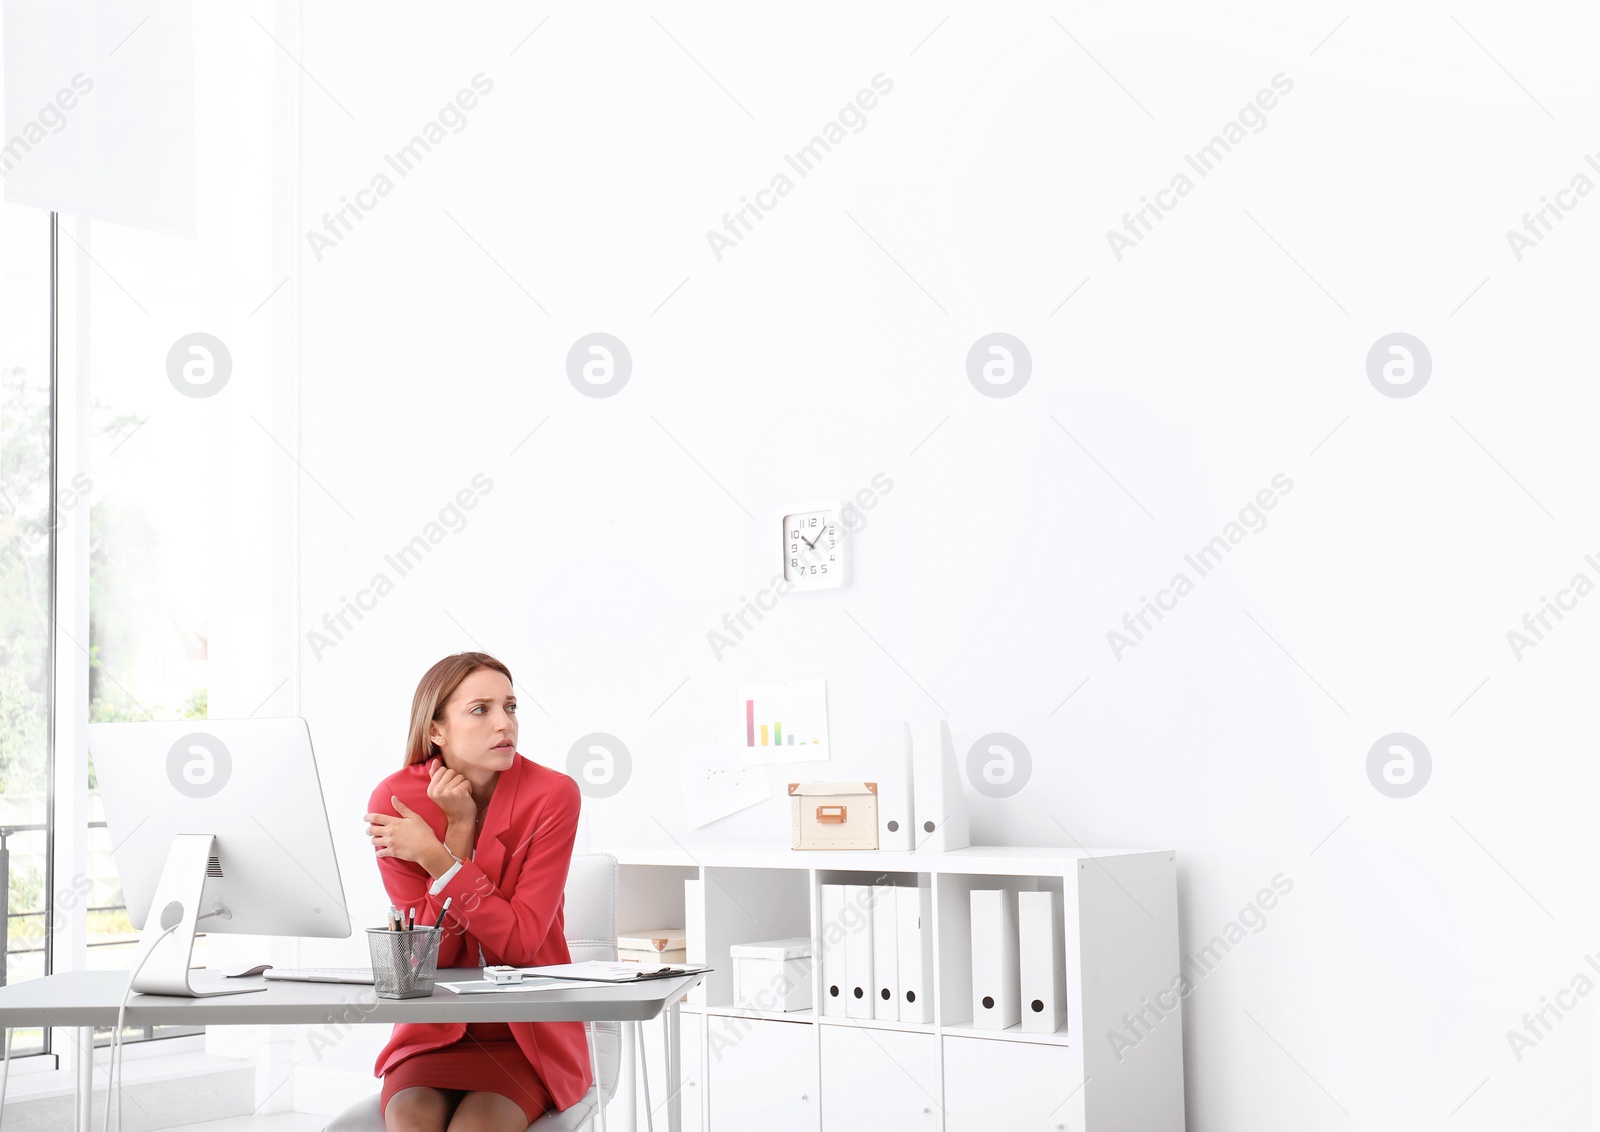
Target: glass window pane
[
  {"x": 24, "y": 592},
  {"x": 150, "y": 534}
]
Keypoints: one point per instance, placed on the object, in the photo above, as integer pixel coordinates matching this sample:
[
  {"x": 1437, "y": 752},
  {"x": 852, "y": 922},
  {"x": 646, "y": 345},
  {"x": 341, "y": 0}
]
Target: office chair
[{"x": 591, "y": 923}]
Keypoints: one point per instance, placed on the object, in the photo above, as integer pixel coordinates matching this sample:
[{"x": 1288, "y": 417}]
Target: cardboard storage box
[
  {"x": 833, "y": 815},
  {"x": 652, "y": 945},
  {"x": 651, "y": 957}
]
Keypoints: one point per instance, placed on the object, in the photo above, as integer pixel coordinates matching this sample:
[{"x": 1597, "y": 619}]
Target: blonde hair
[{"x": 434, "y": 690}]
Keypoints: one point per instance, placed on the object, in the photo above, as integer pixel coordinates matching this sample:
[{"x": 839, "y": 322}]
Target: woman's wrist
[
  {"x": 438, "y": 860},
  {"x": 458, "y": 838}
]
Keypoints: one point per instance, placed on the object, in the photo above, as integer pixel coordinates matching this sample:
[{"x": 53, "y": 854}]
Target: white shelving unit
[{"x": 804, "y": 1072}]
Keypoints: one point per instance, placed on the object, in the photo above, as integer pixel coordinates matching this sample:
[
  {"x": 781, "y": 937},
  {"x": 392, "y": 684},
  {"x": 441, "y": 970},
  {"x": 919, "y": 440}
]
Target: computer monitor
[{"x": 219, "y": 823}]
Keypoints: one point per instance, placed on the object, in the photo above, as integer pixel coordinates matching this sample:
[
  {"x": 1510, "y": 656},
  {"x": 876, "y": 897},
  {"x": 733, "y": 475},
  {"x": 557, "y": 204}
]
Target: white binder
[
  {"x": 940, "y": 804},
  {"x": 835, "y": 984},
  {"x": 858, "y": 950},
  {"x": 694, "y": 933},
  {"x": 996, "y": 993},
  {"x": 1041, "y": 962},
  {"x": 885, "y": 953},
  {"x": 914, "y": 942},
  {"x": 895, "y": 822}
]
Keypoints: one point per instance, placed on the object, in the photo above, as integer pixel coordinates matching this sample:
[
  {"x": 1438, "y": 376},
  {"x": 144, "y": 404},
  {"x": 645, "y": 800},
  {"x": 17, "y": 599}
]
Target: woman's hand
[
  {"x": 408, "y": 837},
  {"x": 451, "y": 791}
]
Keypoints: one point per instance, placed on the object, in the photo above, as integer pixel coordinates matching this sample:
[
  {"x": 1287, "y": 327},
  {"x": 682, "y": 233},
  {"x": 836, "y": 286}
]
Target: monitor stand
[{"x": 163, "y": 960}]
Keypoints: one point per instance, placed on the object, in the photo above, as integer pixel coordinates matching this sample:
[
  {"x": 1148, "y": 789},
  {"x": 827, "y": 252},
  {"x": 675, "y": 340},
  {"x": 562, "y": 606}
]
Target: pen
[
  {"x": 394, "y": 918},
  {"x": 411, "y": 919},
  {"x": 442, "y": 911}
]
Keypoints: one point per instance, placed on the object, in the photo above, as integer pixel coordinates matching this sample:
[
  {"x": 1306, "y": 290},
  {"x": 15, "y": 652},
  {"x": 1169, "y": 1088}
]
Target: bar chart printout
[{"x": 785, "y": 722}]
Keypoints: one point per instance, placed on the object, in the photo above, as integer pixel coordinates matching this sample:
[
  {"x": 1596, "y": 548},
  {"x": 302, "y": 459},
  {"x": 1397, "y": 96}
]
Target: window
[
  {"x": 25, "y": 456},
  {"x": 175, "y": 516},
  {"x": 151, "y": 458}
]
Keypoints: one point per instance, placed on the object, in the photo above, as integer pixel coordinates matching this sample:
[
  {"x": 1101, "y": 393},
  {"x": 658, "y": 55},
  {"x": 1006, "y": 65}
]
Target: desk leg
[
  {"x": 674, "y": 1069},
  {"x": 83, "y": 1092},
  {"x": 628, "y": 1082}
]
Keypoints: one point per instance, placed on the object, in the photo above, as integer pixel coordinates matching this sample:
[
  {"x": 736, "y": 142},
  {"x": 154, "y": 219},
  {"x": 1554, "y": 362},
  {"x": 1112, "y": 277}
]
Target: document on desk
[
  {"x": 483, "y": 986},
  {"x": 599, "y": 971}
]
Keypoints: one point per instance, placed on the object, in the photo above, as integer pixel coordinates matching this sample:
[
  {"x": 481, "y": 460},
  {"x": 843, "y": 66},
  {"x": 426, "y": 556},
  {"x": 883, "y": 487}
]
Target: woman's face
[{"x": 478, "y": 725}]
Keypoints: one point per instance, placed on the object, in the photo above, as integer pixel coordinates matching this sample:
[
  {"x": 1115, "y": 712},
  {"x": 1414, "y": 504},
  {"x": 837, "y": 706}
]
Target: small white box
[{"x": 773, "y": 974}]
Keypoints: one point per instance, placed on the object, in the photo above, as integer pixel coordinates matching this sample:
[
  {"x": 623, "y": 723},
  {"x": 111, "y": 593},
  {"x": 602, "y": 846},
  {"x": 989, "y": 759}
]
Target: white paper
[
  {"x": 611, "y": 973},
  {"x": 483, "y": 986},
  {"x": 716, "y": 783},
  {"x": 784, "y": 723}
]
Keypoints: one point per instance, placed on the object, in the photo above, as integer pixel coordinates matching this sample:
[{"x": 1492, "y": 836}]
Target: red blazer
[{"x": 508, "y": 898}]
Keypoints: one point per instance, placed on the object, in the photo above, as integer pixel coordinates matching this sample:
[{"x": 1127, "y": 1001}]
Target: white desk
[{"x": 90, "y": 998}]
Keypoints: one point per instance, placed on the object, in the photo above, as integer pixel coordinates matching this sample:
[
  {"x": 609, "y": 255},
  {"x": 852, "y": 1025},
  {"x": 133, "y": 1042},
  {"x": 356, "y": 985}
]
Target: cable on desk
[{"x": 114, "y": 1067}]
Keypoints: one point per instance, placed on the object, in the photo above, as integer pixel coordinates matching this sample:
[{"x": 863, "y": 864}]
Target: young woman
[{"x": 470, "y": 820}]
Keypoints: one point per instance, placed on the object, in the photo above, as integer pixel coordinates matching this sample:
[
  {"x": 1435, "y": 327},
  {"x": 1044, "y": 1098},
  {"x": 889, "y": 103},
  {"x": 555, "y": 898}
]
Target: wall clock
[{"x": 815, "y": 546}]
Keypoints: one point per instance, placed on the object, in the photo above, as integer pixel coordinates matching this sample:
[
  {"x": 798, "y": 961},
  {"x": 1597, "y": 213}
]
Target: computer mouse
[{"x": 244, "y": 971}]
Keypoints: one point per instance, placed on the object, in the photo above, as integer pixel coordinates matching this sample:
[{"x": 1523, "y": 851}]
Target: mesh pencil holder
[{"x": 404, "y": 963}]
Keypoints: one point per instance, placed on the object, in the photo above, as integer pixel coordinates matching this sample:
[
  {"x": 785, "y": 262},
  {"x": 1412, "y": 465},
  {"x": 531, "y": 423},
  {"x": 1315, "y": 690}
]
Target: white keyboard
[{"x": 320, "y": 974}]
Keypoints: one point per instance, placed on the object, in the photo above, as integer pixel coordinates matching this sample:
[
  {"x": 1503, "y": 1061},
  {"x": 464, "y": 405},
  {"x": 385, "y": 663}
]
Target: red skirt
[{"x": 484, "y": 1059}]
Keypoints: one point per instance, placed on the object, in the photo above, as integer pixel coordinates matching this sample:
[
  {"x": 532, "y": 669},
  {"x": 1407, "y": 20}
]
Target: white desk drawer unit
[{"x": 941, "y": 1070}]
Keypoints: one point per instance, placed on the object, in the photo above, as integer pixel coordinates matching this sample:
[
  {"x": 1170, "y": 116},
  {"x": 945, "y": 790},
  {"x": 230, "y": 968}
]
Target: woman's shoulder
[
  {"x": 405, "y": 782},
  {"x": 547, "y": 782}
]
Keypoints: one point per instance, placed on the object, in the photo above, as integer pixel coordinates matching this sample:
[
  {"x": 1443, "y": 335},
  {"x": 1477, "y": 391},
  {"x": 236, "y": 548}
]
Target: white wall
[{"x": 1173, "y": 386}]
